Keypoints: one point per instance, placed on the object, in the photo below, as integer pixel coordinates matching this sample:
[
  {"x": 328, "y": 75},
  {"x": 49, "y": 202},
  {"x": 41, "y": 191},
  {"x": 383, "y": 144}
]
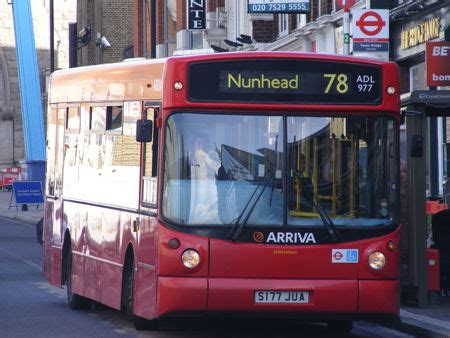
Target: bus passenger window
[
  {"x": 73, "y": 119},
  {"x": 97, "y": 119},
  {"x": 114, "y": 118}
]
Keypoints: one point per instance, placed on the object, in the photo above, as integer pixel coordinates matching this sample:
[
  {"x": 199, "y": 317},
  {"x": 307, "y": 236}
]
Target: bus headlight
[
  {"x": 377, "y": 260},
  {"x": 190, "y": 258}
]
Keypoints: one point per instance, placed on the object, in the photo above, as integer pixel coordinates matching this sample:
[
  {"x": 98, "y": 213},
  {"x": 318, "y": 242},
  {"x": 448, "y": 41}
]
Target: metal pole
[
  {"x": 346, "y": 31},
  {"x": 30, "y": 93},
  {"x": 417, "y": 220},
  {"x": 73, "y": 44},
  {"x": 144, "y": 28},
  {"x": 153, "y": 28},
  {"x": 433, "y": 148},
  {"x": 52, "y": 39}
]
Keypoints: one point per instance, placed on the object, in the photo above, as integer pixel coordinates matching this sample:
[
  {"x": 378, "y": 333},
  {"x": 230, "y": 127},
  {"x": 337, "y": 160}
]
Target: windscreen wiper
[
  {"x": 327, "y": 222},
  {"x": 237, "y": 227}
]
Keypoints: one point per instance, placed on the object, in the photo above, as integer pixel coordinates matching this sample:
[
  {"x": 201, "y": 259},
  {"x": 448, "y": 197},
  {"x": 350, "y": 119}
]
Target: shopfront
[{"x": 425, "y": 136}]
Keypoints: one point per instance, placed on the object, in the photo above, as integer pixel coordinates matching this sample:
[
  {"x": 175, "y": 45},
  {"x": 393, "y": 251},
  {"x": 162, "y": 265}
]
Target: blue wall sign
[
  {"x": 279, "y": 6},
  {"x": 28, "y": 192}
]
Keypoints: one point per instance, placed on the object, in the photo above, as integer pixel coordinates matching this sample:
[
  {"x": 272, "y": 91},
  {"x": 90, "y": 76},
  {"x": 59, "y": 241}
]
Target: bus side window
[
  {"x": 149, "y": 180},
  {"x": 51, "y": 150}
]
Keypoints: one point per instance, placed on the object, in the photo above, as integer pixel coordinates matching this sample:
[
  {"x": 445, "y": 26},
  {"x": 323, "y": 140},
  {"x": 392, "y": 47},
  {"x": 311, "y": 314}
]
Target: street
[{"x": 31, "y": 307}]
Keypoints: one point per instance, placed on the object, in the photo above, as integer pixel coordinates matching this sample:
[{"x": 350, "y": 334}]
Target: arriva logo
[{"x": 291, "y": 237}]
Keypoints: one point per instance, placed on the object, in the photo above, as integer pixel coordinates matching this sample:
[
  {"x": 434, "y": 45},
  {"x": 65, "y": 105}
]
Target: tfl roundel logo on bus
[
  {"x": 258, "y": 237},
  {"x": 344, "y": 256}
]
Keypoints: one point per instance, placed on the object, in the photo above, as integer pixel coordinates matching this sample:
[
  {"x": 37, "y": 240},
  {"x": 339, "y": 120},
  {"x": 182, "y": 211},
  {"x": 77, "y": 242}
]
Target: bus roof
[
  {"x": 131, "y": 80},
  {"x": 143, "y": 79},
  {"x": 281, "y": 54}
]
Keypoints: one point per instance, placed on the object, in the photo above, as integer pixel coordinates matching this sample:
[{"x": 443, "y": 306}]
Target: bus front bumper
[{"x": 349, "y": 298}]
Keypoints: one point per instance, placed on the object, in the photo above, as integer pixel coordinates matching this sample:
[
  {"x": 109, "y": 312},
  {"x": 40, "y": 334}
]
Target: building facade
[{"x": 11, "y": 131}]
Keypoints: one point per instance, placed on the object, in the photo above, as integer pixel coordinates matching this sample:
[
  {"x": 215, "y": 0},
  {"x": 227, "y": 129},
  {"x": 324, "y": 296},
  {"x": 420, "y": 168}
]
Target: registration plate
[{"x": 296, "y": 297}]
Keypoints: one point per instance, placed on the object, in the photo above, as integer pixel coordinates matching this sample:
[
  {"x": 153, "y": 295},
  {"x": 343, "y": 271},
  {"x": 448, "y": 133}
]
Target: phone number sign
[{"x": 279, "y": 6}]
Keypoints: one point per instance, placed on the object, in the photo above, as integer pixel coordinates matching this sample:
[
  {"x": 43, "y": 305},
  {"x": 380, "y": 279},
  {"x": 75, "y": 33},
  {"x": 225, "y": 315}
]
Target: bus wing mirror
[
  {"x": 416, "y": 146},
  {"x": 144, "y": 129}
]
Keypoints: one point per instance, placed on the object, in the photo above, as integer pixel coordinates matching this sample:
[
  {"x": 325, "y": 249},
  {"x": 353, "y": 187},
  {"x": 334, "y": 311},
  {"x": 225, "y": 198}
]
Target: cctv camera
[
  {"x": 83, "y": 32},
  {"x": 104, "y": 42}
]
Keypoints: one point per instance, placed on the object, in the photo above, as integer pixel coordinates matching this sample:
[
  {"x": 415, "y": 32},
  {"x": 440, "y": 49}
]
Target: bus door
[
  {"x": 145, "y": 225},
  {"x": 53, "y": 209}
]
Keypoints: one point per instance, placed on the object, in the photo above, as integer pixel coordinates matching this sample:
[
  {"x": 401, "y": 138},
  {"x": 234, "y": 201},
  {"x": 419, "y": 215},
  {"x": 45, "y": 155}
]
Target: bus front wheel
[
  {"x": 128, "y": 297},
  {"x": 76, "y": 302}
]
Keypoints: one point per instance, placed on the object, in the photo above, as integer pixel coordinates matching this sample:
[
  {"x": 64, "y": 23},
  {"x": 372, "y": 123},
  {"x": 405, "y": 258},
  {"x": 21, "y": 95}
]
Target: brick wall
[
  {"x": 265, "y": 31},
  {"x": 138, "y": 34},
  {"x": 159, "y": 22},
  {"x": 112, "y": 19},
  {"x": 214, "y": 4},
  {"x": 117, "y": 27},
  {"x": 181, "y": 15}
]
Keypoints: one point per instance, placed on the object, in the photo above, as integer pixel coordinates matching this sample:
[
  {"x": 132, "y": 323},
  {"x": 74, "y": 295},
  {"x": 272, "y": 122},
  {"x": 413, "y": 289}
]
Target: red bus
[{"x": 261, "y": 183}]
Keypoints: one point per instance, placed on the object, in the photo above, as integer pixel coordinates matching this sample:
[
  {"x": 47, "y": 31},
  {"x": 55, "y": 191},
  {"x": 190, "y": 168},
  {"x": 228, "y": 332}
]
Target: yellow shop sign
[{"x": 421, "y": 33}]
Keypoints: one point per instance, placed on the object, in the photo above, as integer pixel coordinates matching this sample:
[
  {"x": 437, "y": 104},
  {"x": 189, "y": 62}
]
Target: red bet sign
[{"x": 438, "y": 63}]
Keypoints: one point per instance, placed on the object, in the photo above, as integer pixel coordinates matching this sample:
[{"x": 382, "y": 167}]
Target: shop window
[
  {"x": 301, "y": 20},
  {"x": 325, "y": 7},
  {"x": 417, "y": 77},
  {"x": 283, "y": 25}
]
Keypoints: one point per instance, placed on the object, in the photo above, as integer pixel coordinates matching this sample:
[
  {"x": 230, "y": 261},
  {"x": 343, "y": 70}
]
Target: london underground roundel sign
[
  {"x": 345, "y": 4},
  {"x": 370, "y": 23}
]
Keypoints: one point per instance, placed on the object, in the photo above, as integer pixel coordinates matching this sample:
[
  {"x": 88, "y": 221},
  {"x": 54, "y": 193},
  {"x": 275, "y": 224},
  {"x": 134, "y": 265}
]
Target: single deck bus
[{"x": 260, "y": 183}]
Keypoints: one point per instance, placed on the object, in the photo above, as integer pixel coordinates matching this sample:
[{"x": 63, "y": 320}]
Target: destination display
[{"x": 284, "y": 81}]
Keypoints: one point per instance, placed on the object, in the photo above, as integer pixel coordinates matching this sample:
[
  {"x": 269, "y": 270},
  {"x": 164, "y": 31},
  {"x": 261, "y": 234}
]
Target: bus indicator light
[
  {"x": 174, "y": 243},
  {"x": 390, "y": 90},
  {"x": 391, "y": 246},
  {"x": 178, "y": 85}
]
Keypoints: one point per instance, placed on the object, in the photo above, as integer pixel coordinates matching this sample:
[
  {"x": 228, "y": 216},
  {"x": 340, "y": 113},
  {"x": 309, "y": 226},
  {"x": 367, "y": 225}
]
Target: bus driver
[{"x": 204, "y": 201}]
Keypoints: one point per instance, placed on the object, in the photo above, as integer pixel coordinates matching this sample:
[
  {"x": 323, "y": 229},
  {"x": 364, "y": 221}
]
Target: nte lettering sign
[
  {"x": 438, "y": 63},
  {"x": 196, "y": 14}
]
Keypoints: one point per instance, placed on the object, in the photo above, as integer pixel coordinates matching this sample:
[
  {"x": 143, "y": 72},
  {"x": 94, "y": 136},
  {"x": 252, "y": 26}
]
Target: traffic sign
[
  {"x": 28, "y": 192},
  {"x": 370, "y": 23},
  {"x": 370, "y": 30},
  {"x": 345, "y": 4}
]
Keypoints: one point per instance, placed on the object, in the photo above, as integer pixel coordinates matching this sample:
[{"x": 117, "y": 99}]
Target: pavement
[
  {"x": 432, "y": 321},
  {"x": 9, "y": 209}
]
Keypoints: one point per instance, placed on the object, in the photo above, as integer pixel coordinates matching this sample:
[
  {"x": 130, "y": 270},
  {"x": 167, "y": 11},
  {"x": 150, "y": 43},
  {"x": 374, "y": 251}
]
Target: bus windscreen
[{"x": 284, "y": 81}]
